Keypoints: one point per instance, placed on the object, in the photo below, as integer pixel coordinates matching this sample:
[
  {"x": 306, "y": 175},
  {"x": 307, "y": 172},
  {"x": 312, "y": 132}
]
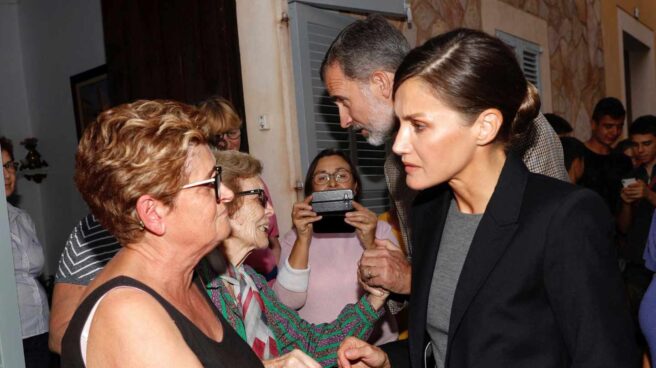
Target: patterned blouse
[{"x": 319, "y": 341}]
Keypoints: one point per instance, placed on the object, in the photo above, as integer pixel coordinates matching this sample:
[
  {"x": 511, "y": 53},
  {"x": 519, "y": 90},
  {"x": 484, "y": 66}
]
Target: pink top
[{"x": 333, "y": 263}]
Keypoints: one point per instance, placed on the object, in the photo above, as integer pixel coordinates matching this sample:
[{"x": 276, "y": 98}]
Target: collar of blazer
[{"x": 492, "y": 236}]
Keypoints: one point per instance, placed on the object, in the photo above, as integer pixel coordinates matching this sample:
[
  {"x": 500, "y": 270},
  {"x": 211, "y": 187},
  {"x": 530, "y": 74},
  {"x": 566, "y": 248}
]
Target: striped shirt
[{"x": 87, "y": 251}]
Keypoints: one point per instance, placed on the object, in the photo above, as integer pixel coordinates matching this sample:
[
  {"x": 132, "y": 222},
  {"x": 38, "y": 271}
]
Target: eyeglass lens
[
  {"x": 10, "y": 165},
  {"x": 340, "y": 176}
]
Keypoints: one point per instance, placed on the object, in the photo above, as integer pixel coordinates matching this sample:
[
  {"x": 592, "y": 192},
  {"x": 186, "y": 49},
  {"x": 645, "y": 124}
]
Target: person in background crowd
[
  {"x": 604, "y": 169},
  {"x": 647, "y": 313},
  {"x": 28, "y": 265},
  {"x": 358, "y": 72},
  {"x": 638, "y": 203},
  {"x": 223, "y": 126},
  {"x": 318, "y": 271},
  {"x": 510, "y": 269},
  {"x": 626, "y": 147},
  {"x": 574, "y": 152},
  {"x": 561, "y": 126}
]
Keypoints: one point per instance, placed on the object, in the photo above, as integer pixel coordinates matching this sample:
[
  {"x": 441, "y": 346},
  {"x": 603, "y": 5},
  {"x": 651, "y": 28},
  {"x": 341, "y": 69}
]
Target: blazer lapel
[
  {"x": 428, "y": 216},
  {"x": 494, "y": 233}
]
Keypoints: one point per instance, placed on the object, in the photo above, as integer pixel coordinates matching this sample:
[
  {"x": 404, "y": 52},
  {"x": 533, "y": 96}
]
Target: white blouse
[{"x": 28, "y": 265}]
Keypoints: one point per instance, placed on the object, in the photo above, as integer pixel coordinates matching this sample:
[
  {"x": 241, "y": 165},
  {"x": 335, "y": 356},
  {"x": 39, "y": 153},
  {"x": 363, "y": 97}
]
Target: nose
[
  {"x": 332, "y": 183},
  {"x": 226, "y": 194},
  {"x": 345, "y": 118},
  {"x": 401, "y": 142}
]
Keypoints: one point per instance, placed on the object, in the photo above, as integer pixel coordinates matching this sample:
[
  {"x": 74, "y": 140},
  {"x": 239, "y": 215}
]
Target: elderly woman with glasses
[
  {"x": 319, "y": 271},
  {"x": 223, "y": 125},
  {"x": 148, "y": 175},
  {"x": 28, "y": 265},
  {"x": 277, "y": 334}
]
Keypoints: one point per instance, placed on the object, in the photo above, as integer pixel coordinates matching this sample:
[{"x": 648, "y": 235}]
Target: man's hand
[
  {"x": 356, "y": 353},
  {"x": 386, "y": 267},
  {"x": 293, "y": 359}
]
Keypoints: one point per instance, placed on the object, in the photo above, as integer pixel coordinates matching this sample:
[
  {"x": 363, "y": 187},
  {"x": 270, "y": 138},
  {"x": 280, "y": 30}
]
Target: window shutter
[
  {"x": 312, "y": 31},
  {"x": 528, "y": 56}
]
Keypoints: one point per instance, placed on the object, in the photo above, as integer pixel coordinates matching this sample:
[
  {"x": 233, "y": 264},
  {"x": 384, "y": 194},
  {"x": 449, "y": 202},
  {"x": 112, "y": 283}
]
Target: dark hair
[
  {"x": 7, "y": 146},
  {"x": 558, "y": 123},
  {"x": 608, "y": 106},
  {"x": 473, "y": 71},
  {"x": 623, "y": 145},
  {"x": 365, "y": 46},
  {"x": 645, "y": 124},
  {"x": 332, "y": 152},
  {"x": 572, "y": 149}
]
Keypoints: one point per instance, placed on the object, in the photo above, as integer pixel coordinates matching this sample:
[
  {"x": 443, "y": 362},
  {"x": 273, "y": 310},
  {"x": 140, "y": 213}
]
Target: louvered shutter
[
  {"x": 312, "y": 31},
  {"x": 528, "y": 56}
]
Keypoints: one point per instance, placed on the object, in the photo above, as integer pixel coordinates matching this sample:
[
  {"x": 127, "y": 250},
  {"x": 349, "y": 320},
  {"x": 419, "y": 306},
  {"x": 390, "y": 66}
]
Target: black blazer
[{"x": 540, "y": 286}]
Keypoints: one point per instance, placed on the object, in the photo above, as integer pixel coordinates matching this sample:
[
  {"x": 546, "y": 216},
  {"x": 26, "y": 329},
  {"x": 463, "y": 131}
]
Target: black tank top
[{"x": 232, "y": 351}]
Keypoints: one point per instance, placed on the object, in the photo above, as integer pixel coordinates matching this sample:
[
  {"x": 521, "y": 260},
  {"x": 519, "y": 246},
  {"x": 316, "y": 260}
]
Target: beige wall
[
  {"x": 269, "y": 91},
  {"x": 638, "y": 18}
]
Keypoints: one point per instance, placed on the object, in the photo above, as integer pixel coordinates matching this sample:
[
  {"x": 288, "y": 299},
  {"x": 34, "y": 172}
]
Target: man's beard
[{"x": 381, "y": 120}]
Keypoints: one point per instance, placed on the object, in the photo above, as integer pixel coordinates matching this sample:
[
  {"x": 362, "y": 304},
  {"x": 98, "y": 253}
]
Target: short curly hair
[
  {"x": 236, "y": 166},
  {"x": 131, "y": 150}
]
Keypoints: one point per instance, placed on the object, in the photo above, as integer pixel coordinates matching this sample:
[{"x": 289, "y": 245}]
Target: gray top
[{"x": 458, "y": 234}]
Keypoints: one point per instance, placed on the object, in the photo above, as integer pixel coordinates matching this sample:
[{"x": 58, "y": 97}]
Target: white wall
[
  {"x": 268, "y": 83},
  {"x": 48, "y": 42}
]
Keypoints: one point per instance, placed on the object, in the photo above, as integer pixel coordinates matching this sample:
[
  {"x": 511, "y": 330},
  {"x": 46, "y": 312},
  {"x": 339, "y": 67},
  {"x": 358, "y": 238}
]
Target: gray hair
[{"x": 365, "y": 46}]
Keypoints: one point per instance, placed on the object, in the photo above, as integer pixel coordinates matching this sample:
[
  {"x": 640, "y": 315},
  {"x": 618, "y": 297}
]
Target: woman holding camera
[{"x": 331, "y": 258}]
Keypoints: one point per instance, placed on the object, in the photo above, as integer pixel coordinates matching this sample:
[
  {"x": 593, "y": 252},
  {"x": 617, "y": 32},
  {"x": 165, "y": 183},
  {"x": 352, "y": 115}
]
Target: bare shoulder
[{"x": 132, "y": 329}]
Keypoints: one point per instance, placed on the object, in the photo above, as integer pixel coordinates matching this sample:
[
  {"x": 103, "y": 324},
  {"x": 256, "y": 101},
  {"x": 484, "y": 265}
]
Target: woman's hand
[
  {"x": 293, "y": 359},
  {"x": 364, "y": 221},
  {"x": 356, "y": 353},
  {"x": 303, "y": 217}
]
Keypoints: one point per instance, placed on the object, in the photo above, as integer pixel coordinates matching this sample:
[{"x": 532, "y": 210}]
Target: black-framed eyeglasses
[
  {"x": 10, "y": 165},
  {"x": 340, "y": 176},
  {"x": 219, "y": 140},
  {"x": 261, "y": 195},
  {"x": 215, "y": 181}
]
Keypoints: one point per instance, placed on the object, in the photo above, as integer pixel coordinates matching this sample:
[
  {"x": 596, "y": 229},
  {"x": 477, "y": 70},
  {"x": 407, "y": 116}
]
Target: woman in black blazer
[{"x": 510, "y": 268}]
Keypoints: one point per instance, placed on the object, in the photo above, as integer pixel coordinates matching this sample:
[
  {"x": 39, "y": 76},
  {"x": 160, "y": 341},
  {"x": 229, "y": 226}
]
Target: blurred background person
[
  {"x": 574, "y": 153},
  {"x": 28, "y": 266},
  {"x": 604, "y": 168},
  {"x": 627, "y": 148},
  {"x": 223, "y": 125},
  {"x": 148, "y": 175},
  {"x": 318, "y": 271},
  {"x": 637, "y": 208},
  {"x": 561, "y": 126}
]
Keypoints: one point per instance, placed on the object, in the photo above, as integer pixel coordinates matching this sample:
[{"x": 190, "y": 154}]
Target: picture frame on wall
[{"x": 90, "y": 93}]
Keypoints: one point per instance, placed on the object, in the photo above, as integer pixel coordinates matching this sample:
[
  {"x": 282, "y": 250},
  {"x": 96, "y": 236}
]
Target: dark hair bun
[{"x": 522, "y": 130}]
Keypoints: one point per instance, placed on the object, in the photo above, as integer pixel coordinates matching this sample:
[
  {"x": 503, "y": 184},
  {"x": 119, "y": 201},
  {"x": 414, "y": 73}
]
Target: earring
[{"x": 141, "y": 225}]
